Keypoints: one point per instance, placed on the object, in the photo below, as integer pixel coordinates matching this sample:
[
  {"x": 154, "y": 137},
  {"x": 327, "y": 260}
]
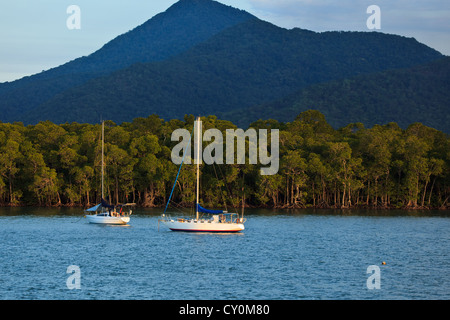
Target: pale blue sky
[{"x": 34, "y": 35}]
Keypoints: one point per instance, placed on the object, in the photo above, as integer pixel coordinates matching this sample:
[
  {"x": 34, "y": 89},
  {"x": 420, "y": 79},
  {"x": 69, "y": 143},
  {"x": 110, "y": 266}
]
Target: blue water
[{"x": 280, "y": 255}]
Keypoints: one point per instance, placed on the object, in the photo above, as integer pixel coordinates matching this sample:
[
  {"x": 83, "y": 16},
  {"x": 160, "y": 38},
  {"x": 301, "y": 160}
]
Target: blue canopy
[
  {"x": 95, "y": 208},
  {"x": 106, "y": 204},
  {"x": 203, "y": 210}
]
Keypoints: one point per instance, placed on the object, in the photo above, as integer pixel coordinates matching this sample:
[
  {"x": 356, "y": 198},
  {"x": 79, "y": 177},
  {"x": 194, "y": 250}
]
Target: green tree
[
  {"x": 147, "y": 170},
  {"x": 119, "y": 168},
  {"x": 10, "y": 156},
  {"x": 293, "y": 166}
]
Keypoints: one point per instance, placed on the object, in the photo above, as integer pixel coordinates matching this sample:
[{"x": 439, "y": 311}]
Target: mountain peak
[
  {"x": 201, "y": 56},
  {"x": 194, "y": 2},
  {"x": 197, "y": 2},
  {"x": 183, "y": 25},
  {"x": 208, "y": 6}
]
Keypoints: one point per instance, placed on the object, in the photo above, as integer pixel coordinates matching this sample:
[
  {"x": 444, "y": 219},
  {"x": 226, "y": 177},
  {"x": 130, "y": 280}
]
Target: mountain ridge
[
  {"x": 191, "y": 22},
  {"x": 242, "y": 63},
  {"x": 245, "y": 65},
  {"x": 343, "y": 101}
]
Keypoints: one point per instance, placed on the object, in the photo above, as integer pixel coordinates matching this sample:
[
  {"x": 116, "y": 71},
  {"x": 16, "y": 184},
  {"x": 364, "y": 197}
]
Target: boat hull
[
  {"x": 96, "y": 219},
  {"x": 203, "y": 226}
]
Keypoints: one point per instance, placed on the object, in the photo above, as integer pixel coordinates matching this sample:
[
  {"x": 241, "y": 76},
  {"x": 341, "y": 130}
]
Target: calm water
[{"x": 301, "y": 255}]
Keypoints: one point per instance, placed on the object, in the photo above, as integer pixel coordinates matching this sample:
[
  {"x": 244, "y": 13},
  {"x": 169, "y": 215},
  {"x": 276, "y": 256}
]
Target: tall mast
[
  {"x": 198, "y": 163},
  {"x": 103, "y": 152}
]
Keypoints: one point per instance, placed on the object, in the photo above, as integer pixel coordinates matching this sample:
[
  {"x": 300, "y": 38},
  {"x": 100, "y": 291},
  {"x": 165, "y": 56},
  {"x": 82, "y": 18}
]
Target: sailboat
[
  {"x": 218, "y": 221},
  {"x": 105, "y": 213}
]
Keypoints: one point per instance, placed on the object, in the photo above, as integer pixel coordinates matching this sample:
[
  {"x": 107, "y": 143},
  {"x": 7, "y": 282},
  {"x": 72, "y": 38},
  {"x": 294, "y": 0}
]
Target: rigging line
[
  {"x": 179, "y": 207},
  {"x": 182, "y": 160}
]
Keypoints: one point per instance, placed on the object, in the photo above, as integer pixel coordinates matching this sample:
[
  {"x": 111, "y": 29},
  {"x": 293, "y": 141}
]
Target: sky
[{"x": 34, "y": 35}]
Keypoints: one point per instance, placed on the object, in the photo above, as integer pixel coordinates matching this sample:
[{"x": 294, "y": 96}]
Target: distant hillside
[
  {"x": 417, "y": 94},
  {"x": 251, "y": 63},
  {"x": 201, "y": 57},
  {"x": 183, "y": 25}
]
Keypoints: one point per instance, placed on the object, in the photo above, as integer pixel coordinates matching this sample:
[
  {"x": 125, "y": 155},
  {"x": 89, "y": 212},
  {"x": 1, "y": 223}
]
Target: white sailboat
[
  {"x": 219, "y": 221},
  {"x": 104, "y": 213},
  {"x": 107, "y": 214}
]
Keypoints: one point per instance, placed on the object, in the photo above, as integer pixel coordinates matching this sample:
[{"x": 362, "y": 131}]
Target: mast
[
  {"x": 243, "y": 198},
  {"x": 198, "y": 164},
  {"x": 103, "y": 152}
]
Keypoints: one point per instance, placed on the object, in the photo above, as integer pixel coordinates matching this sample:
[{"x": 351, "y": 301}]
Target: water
[{"x": 281, "y": 255}]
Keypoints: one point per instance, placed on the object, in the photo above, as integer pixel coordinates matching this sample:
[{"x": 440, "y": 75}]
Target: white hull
[
  {"x": 98, "y": 219},
  {"x": 202, "y": 226}
]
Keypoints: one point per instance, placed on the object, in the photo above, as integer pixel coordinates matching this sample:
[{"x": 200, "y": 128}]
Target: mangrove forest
[{"x": 384, "y": 166}]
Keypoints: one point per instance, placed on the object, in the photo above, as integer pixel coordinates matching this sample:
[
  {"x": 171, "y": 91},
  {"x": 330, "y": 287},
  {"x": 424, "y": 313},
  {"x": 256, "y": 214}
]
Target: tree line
[{"x": 380, "y": 167}]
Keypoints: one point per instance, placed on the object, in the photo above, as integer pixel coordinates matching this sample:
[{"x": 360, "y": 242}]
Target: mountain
[
  {"x": 416, "y": 94},
  {"x": 249, "y": 64},
  {"x": 201, "y": 57},
  {"x": 183, "y": 25}
]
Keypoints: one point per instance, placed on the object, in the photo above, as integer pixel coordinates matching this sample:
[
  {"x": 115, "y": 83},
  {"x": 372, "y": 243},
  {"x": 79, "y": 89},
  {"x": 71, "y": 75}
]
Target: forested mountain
[
  {"x": 183, "y": 25},
  {"x": 202, "y": 57},
  {"x": 417, "y": 94}
]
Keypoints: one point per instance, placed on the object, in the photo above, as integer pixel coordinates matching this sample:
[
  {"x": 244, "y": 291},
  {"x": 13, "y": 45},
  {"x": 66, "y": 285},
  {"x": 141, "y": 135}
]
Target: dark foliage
[
  {"x": 417, "y": 94},
  {"x": 382, "y": 167}
]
